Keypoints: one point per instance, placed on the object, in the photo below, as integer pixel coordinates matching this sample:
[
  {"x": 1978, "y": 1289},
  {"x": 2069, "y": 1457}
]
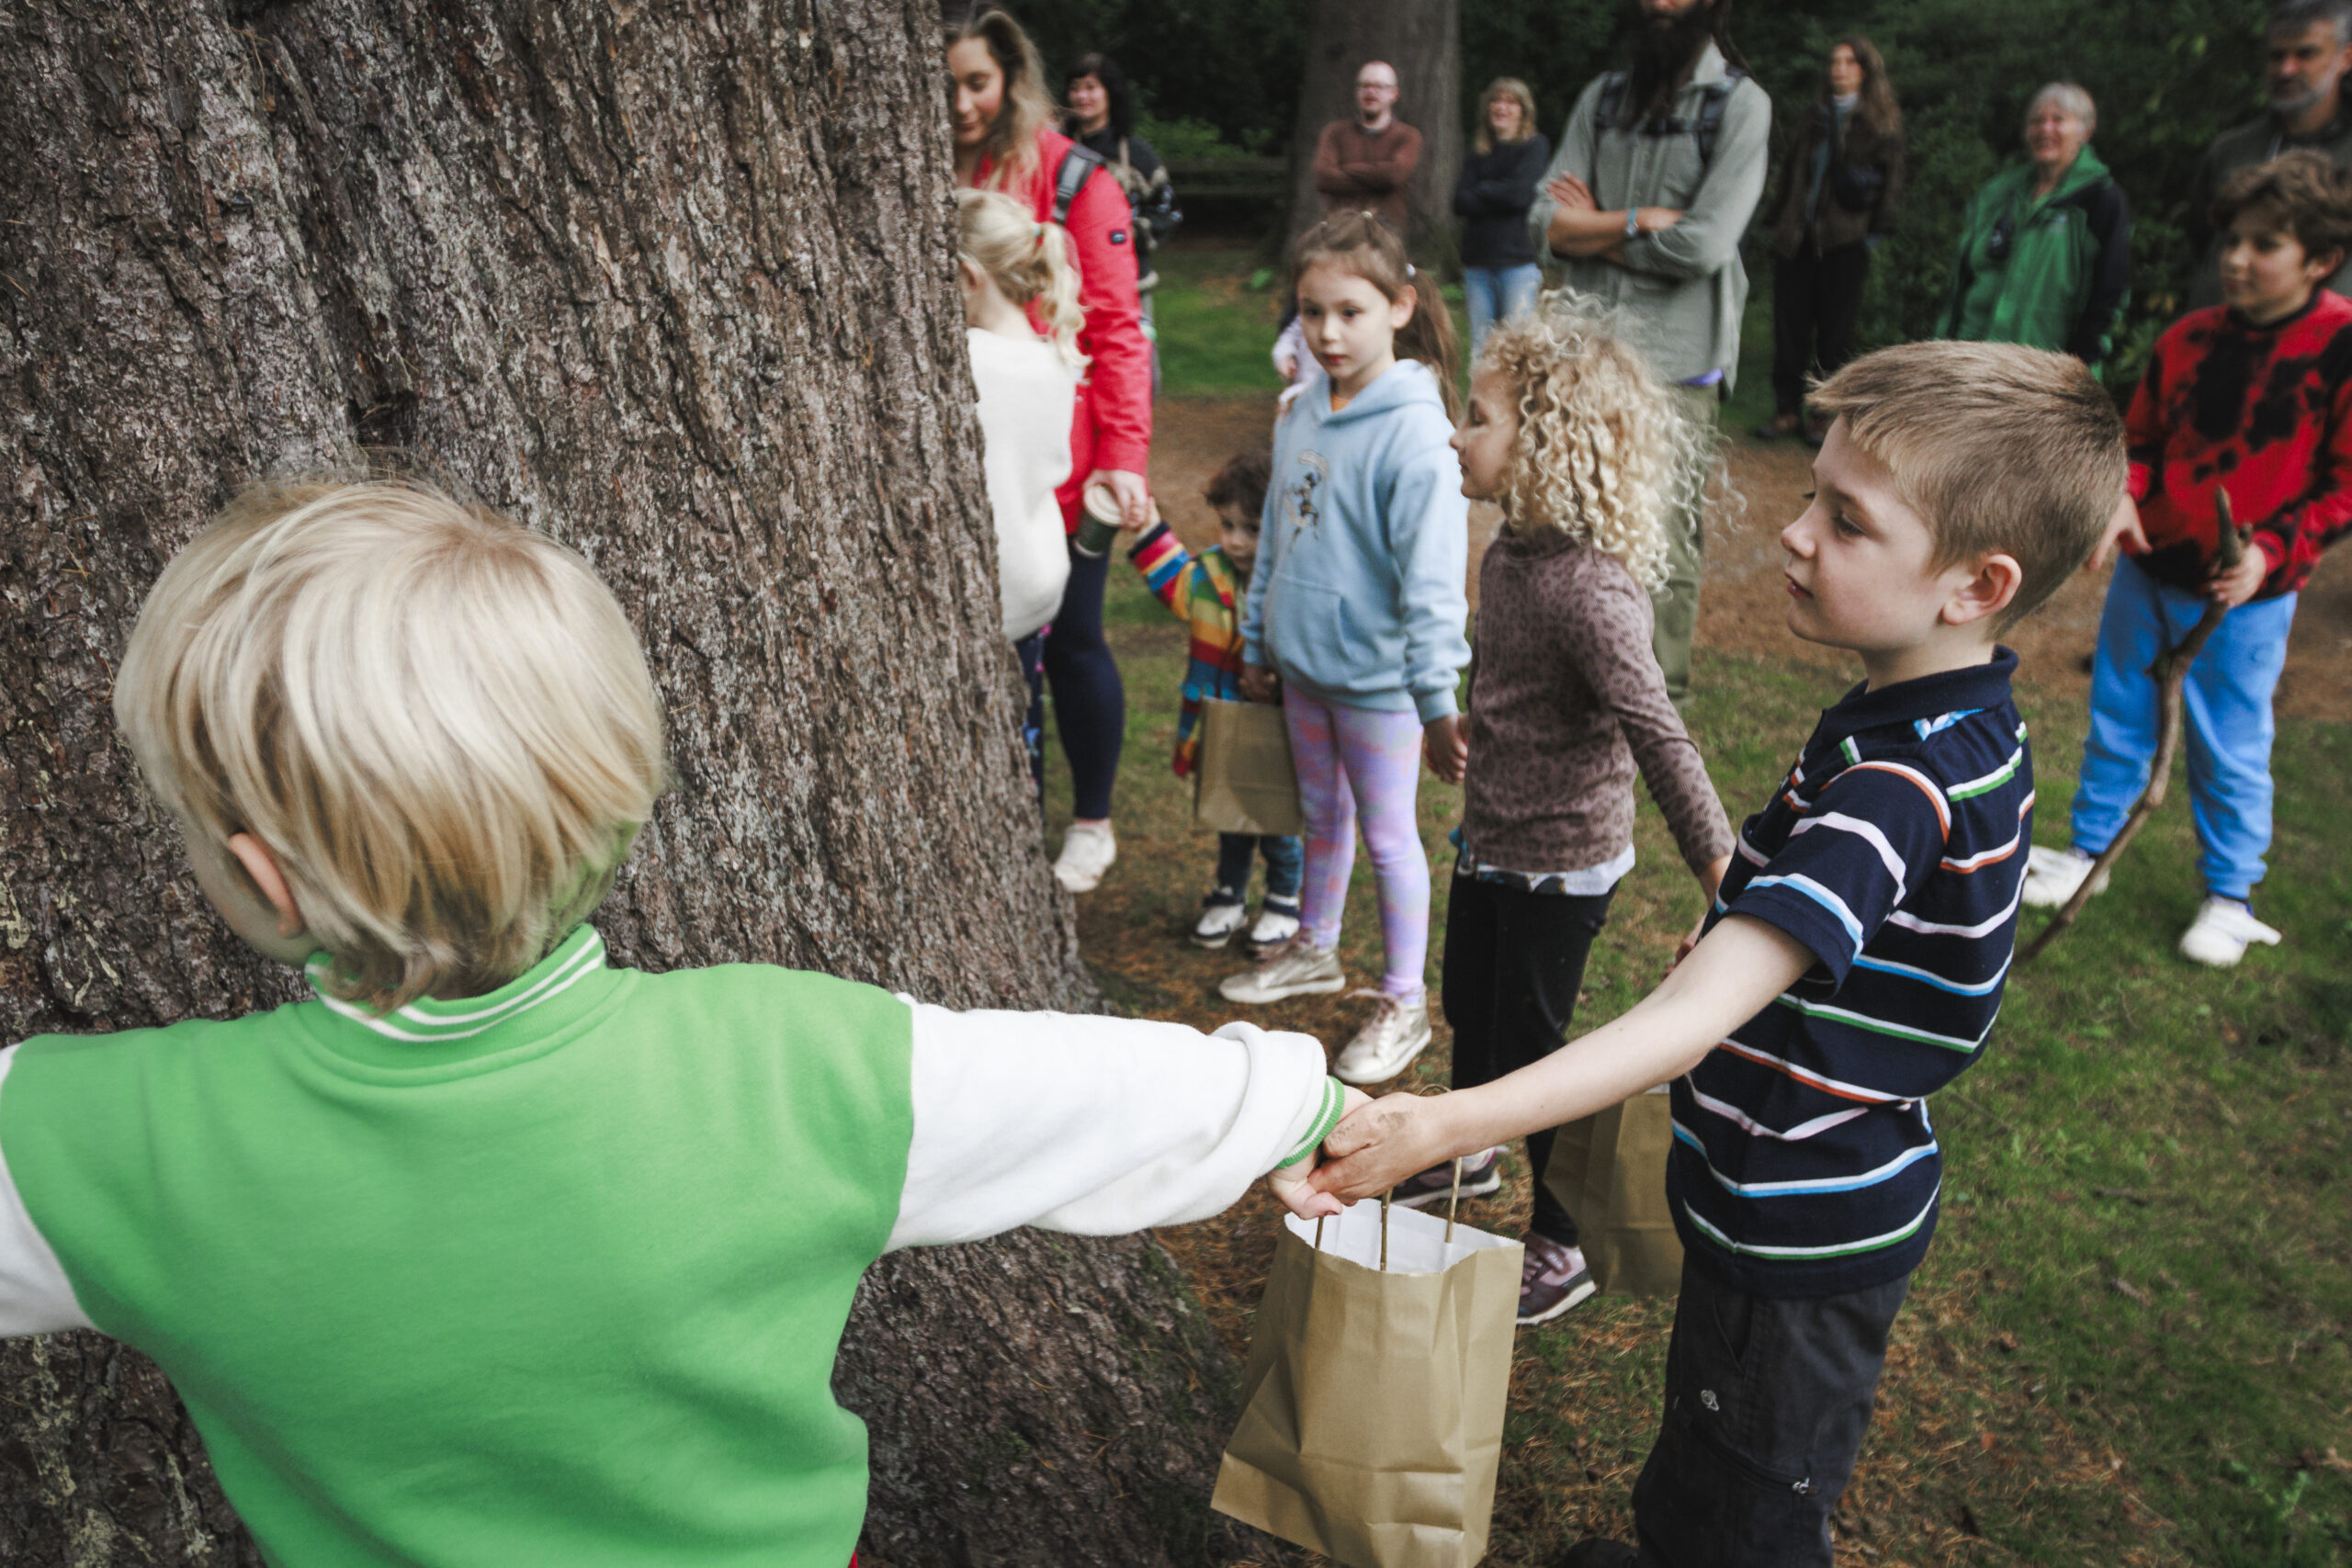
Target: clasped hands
[{"x": 1377, "y": 1144}]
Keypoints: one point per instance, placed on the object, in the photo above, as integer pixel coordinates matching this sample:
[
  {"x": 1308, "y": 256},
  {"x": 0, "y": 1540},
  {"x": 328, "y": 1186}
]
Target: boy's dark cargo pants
[{"x": 1766, "y": 1403}]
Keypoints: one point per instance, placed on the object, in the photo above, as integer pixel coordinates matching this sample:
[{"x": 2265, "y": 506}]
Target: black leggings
[
  {"x": 1513, "y": 964},
  {"x": 1089, "y": 705}
]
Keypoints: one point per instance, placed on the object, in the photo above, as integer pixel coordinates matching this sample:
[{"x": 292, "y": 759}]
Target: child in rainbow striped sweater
[{"x": 1206, "y": 591}]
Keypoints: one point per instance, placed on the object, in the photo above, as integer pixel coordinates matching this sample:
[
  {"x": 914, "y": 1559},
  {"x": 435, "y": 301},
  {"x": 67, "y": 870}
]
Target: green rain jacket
[{"x": 2050, "y": 272}]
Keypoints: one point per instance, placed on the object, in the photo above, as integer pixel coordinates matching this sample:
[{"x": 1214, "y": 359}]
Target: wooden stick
[
  {"x": 1384, "y": 1228},
  {"x": 2171, "y": 674}
]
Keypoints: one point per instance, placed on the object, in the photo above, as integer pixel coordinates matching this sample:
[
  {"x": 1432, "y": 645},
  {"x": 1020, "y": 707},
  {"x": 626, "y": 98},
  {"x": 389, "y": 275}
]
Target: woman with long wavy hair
[
  {"x": 1839, "y": 189},
  {"x": 1003, "y": 120}
]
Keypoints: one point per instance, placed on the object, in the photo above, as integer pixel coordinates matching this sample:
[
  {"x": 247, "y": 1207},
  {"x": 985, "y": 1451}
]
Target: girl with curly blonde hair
[{"x": 1576, "y": 437}]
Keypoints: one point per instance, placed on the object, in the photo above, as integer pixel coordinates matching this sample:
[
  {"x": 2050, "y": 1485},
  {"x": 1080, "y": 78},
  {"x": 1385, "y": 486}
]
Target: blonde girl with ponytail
[{"x": 1015, "y": 273}]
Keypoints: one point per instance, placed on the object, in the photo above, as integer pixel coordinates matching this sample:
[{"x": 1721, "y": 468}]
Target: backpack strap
[
  {"x": 1613, "y": 99},
  {"x": 1710, "y": 112},
  {"x": 1708, "y": 126},
  {"x": 1070, "y": 175}
]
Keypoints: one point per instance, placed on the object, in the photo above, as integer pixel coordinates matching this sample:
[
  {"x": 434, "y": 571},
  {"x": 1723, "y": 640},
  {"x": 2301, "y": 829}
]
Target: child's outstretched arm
[
  {"x": 1728, "y": 978},
  {"x": 1166, "y": 564},
  {"x": 1101, "y": 1126}
]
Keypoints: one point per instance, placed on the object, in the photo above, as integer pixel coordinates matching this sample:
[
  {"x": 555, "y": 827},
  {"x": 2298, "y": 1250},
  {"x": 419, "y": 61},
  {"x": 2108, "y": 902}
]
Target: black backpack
[
  {"x": 1708, "y": 126},
  {"x": 1069, "y": 178}
]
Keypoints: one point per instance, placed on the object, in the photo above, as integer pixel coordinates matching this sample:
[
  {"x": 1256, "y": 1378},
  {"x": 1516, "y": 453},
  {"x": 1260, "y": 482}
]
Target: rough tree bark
[
  {"x": 1422, "y": 39},
  {"x": 669, "y": 281}
]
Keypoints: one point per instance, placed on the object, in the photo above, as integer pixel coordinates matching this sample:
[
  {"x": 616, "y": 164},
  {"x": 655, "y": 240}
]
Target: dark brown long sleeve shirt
[
  {"x": 1566, "y": 704},
  {"x": 1356, "y": 169}
]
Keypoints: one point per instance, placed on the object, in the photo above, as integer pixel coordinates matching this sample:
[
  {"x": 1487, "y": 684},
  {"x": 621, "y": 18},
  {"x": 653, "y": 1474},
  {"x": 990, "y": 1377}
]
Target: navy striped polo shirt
[{"x": 1805, "y": 1163}]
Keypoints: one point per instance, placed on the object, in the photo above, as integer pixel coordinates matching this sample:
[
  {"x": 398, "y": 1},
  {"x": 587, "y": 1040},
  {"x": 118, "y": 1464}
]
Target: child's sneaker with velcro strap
[
  {"x": 1277, "y": 923},
  {"x": 1222, "y": 914},
  {"x": 2053, "y": 877},
  {"x": 2222, "y": 931}
]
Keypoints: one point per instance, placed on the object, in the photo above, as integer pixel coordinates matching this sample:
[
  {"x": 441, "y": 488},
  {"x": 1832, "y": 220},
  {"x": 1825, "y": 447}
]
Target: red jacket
[
  {"x": 1112, "y": 426},
  {"x": 2264, "y": 413}
]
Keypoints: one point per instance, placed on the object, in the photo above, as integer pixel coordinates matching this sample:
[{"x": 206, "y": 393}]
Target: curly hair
[
  {"x": 2307, "y": 194},
  {"x": 1604, "y": 453}
]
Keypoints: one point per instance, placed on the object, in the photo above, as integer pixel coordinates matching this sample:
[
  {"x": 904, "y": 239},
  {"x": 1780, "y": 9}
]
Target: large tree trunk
[
  {"x": 671, "y": 283},
  {"x": 1422, "y": 39}
]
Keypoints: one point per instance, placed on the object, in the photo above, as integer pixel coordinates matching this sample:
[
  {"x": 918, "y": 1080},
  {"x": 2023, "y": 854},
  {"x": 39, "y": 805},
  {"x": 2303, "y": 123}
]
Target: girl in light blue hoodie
[{"x": 1357, "y": 608}]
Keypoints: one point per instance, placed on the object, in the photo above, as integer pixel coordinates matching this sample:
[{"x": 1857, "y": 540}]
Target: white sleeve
[
  {"x": 34, "y": 1295},
  {"x": 1095, "y": 1125}
]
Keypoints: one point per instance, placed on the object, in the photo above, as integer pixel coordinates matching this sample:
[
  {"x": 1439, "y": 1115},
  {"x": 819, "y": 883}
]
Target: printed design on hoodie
[{"x": 1298, "y": 500}]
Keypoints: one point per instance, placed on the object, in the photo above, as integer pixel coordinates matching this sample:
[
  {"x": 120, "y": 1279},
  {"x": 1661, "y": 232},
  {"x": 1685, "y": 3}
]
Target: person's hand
[
  {"x": 1288, "y": 366},
  {"x": 1566, "y": 190},
  {"x": 1295, "y": 1185},
  {"x": 1258, "y": 684},
  {"x": 1134, "y": 496},
  {"x": 1682, "y": 949},
  {"x": 2122, "y": 529},
  {"x": 1151, "y": 520},
  {"x": 1379, "y": 1145},
  {"x": 2242, "y": 583},
  {"x": 1711, "y": 881},
  {"x": 1445, "y": 745}
]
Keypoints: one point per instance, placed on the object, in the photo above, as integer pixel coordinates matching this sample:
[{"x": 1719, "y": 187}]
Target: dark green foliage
[{"x": 1231, "y": 64}]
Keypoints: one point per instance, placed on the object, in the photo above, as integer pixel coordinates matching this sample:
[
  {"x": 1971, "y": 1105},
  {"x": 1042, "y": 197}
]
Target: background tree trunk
[
  {"x": 669, "y": 282},
  {"x": 1422, "y": 39}
]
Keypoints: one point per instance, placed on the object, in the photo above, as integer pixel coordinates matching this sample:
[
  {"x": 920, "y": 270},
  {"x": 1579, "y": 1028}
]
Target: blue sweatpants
[{"x": 2229, "y": 726}]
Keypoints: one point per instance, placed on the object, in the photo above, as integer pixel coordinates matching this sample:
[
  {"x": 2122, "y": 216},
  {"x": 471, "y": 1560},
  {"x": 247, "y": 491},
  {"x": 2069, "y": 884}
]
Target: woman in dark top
[
  {"x": 1499, "y": 276},
  {"x": 1102, "y": 121},
  {"x": 1839, "y": 191}
]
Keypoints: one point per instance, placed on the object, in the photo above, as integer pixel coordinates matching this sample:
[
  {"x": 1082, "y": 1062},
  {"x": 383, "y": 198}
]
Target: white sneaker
[
  {"x": 1293, "y": 968},
  {"x": 2053, "y": 877},
  {"x": 2220, "y": 932},
  {"x": 1222, "y": 915},
  {"x": 1274, "y": 926},
  {"x": 1384, "y": 1048},
  {"x": 1088, "y": 849}
]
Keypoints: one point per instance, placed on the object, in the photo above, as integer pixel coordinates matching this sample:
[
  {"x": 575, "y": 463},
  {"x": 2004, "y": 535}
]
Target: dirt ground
[{"x": 1741, "y": 600}]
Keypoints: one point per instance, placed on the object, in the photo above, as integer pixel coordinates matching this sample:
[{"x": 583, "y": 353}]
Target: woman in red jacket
[{"x": 1004, "y": 141}]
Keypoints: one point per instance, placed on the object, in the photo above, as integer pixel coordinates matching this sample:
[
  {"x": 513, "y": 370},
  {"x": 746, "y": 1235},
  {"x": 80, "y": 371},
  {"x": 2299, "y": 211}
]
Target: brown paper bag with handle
[
  {"x": 1371, "y": 1417},
  {"x": 1609, "y": 1171},
  {"x": 1243, "y": 781}
]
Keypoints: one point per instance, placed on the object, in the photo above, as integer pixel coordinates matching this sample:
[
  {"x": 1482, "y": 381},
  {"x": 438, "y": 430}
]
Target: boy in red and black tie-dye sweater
[
  {"x": 2253, "y": 397},
  {"x": 1206, "y": 591}
]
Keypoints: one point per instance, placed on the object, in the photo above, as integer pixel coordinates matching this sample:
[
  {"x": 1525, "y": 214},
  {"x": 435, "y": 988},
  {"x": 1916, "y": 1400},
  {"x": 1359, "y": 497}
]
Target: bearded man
[
  {"x": 1658, "y": 172},
  {"x": 2309, "y": 49}
]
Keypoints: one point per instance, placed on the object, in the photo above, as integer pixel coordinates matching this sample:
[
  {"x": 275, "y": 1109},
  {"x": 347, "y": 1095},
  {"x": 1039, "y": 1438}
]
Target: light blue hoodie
[{"x": 1357, "y": 595}]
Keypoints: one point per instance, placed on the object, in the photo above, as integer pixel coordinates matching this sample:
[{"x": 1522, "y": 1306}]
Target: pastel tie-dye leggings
[{"x": 1362, "y": 765}]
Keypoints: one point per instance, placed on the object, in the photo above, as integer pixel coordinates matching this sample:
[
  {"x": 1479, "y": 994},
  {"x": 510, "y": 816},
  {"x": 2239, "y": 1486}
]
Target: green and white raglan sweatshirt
[{"x": 556, "y": 1275}]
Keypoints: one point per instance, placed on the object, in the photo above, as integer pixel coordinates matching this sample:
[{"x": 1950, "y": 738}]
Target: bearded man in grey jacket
[{"x": 1658, "y": 172}]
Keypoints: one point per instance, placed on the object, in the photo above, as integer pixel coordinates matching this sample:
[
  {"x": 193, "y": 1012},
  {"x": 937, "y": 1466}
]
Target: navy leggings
[{"x": 1089, "y": 705}]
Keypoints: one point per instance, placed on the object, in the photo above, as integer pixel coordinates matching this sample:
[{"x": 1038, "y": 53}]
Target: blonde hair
[
  {"x": 1012, "y": 145},
  {"x": 1999, "y": 448},
  {"x": 1518, "y": 91},
  {"x": 439, "y": 725},
  {"x": 1604, "y": 455},
  {"x": 1027, "y": 260}
]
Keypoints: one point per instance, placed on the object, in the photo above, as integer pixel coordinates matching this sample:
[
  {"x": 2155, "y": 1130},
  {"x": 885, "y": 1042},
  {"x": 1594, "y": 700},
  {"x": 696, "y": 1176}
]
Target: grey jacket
[
  {"x": 2256, "y": 142},
  {"x": 1682, "y": 288}
]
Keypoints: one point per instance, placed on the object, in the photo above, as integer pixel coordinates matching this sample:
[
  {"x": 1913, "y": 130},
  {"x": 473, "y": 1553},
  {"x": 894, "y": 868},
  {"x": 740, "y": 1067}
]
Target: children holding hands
[
  {"x": 1357, "y": 610},
  {"x": 1207, "y": 592},
  {"x": 1853, "y": 960},
  {"x": 2251, "y": 397},
  {"x": 1588, "y": 454},
  {"x": 490, "y": 1251}
]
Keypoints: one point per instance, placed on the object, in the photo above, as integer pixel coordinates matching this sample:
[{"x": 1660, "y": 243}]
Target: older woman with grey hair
[{"x": 2045, "y": 249}]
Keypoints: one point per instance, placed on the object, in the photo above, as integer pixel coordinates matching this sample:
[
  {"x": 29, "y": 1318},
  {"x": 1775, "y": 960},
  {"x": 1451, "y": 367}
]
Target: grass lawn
[{"x": 2129, "y": 1344}]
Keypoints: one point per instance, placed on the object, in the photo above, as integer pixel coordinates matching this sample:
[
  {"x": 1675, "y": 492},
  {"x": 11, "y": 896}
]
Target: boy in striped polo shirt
[
  {"x": 490, "y": 1252},
  {"x": 1853, "y": 962}
]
